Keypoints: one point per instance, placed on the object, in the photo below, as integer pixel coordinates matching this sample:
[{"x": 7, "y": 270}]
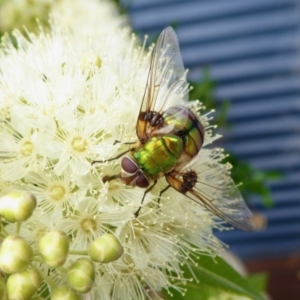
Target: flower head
[{"x": 66, "y": 98}]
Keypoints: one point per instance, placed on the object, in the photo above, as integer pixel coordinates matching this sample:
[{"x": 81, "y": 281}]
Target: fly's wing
[
  {"x": 215, "y": 190},
  {"x": 166, "y": 84}
]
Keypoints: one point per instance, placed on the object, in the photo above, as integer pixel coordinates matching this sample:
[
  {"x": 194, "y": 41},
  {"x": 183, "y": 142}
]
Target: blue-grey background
[{"x": 253, "y": 50}]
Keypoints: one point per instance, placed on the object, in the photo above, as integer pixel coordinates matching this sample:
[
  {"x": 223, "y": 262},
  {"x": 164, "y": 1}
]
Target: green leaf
[
  {"x": 258, "y": 281},
  {"x": 216, "y": 274}
]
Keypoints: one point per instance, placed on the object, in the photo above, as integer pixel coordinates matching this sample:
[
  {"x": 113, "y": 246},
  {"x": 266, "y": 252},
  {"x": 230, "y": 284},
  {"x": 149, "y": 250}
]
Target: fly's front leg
[
  {"x": 145, "y": 193},
  {"x": 112, "y": 177},
  {"x": 124, "y": 143},
  {"x": 116, "y": 157},
  {"x": 109, "y": 178}
]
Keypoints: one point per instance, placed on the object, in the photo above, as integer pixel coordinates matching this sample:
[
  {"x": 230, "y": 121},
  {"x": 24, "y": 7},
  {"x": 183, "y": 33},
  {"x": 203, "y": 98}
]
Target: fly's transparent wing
[
  {"x": 166, "y": 84},
  {"x": 213, "y": 188}
]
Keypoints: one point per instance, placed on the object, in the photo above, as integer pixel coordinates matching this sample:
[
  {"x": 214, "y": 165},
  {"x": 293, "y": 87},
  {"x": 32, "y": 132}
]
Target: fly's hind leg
[{"x": 145, "y": 193}]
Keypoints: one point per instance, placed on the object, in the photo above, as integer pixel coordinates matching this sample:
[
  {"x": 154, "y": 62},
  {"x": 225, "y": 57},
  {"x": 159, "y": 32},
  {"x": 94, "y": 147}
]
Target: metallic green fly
[{"x": 169, "y": 137}]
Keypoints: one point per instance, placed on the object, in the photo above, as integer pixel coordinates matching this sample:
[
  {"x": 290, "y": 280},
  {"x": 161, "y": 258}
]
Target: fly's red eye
[
  {"x": 142, "y": 181},
  {"x": 129, "y": 166}
]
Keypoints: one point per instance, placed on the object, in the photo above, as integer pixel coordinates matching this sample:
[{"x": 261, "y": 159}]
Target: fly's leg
[
  {"x": 145, "y": 193},
  {"x": 118, "y": 176},
  {"x": 161, "y": 192},
  {"x": 109, "y": 178},
  {"x": 125, "y": 143},
  {"x": 116, "y": 157}
]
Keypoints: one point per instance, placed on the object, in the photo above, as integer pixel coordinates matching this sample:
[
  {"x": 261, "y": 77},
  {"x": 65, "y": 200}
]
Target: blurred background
[{"x": 244, "y": 59}]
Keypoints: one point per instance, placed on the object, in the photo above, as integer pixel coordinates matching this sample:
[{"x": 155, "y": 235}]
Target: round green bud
[
  {"x": 81, "y": 275},
  {"x": 17, "y": 206},
  {"x": 105, "y": 249},
  {"x": 23, "y": 285},
  {"x": 54, "y": 248},
  {"x": 15, "y": 254},
  {"x": 2, "y": 288},
  {"x": 64, "y": 293}
]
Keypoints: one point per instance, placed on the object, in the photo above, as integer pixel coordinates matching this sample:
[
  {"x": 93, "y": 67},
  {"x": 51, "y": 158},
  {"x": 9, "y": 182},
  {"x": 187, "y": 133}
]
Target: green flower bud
[
  {"x": 54, "y": 248},
  {"x": 105, "y": 249},
  {"x": 17, "y": 206},
  {"x": 81, "y": 275},
  {"x": 2, "y": 288},
  {"x": 23, "y": 285},
  {"x": 90, "y": 61},
  {"x": 15, "y": 254},
  {"x": 64, "y": 293}
]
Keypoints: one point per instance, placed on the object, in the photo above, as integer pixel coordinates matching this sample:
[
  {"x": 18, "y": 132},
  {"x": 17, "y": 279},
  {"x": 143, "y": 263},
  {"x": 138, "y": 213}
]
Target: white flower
[
  {"x": 19, "y": 150},
  {"x": 91, "y": 219},
  {"x": 66, "y": 97},
  {"x": 56, "y": 193}
]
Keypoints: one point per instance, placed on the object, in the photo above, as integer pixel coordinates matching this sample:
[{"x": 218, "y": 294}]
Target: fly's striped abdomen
[{"x": 186, "y": 125}]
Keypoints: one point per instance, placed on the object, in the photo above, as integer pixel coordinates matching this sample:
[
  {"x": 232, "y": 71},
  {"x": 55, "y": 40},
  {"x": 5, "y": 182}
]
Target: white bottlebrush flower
[{"x": 66, "y": 97}]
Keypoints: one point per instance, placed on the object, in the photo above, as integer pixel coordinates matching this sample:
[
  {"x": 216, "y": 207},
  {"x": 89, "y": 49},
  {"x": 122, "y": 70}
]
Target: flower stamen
[
  {"x": 88, "y": 225},
  {"x": 57, "y": 192},
  {"x": 79, "y": 144},
  {"x": 26, "y": 147}
]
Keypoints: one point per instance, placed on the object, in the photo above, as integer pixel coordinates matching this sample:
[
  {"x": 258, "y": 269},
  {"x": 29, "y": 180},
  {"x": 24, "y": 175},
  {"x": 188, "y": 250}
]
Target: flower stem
[
  {"x": 47, "y": 279},
  {"x": 63, "y": 270},
  {"x": 18, "y": 227},
  {"x": 37, "y": 255}
]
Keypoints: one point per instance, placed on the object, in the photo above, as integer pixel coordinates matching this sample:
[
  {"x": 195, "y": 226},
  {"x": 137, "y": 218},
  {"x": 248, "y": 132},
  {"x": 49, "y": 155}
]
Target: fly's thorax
[
  {"x": 159, "y": 155},
  {"x": 185, "y": 124}
]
